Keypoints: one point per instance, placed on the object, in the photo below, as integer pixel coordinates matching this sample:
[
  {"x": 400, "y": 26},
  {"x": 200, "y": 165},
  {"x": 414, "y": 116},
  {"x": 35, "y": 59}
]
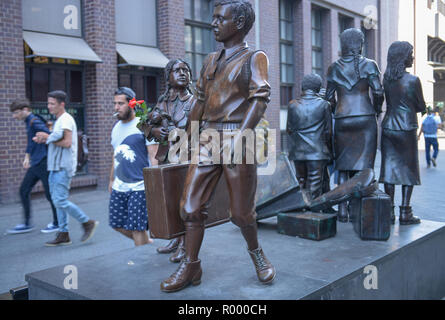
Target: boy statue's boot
[
  {"x": 342, "y": 214},
  {"x": 189, "y": 270},
  {"x": 170, "y": 247},
  {"x": 180, "y": 251},
  {"x": 264, "y": 269},
  {"x": 406, "y": 216}
]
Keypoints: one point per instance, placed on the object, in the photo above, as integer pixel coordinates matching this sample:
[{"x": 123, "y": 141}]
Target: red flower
[{"x": 133, "y": 102}]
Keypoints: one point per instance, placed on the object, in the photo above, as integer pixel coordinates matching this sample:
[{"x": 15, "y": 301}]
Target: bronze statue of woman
[
  {"x": 404, "y": 98},
  {"x": 355, "y": 132},
  {"x": 171, "y": 112}
]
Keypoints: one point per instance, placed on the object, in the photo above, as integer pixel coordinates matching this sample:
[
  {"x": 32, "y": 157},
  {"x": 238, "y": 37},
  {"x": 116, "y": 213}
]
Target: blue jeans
[
  {"x": 59, "y": 186},
  {"x": 428, "y": 143}
]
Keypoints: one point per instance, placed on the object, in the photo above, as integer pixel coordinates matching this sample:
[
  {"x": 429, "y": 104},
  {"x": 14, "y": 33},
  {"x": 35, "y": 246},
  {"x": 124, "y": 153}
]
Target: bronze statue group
[{"x": 232, "y": 92}]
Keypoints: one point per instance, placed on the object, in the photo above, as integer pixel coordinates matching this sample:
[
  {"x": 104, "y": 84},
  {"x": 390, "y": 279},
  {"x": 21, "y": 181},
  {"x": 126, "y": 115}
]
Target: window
[
  {"x": 286, "y": 52},
  {"x": 144, "y": 82},
  {"x": 368, "y": 47},
  {"x": 344, "y": 23},
  {"x": 198, "y": 33},
  {"x": 317, "y": 42},
  {"x": 43, "y": 74}
]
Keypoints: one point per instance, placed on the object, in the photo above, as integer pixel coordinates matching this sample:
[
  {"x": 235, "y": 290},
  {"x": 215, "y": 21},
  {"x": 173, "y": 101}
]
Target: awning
[
  {"x": 55, "y": 46},
  {"x": 142, "y": 56}
]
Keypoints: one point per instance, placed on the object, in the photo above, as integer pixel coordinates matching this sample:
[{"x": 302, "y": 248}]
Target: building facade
[
  {"x": 427, "y": 34},
  {"x": 89, "y": 48}
]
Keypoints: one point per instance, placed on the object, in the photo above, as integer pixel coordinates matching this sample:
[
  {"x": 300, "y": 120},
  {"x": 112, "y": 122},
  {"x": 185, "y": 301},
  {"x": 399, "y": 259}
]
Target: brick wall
[
  {"x": 269, "y": 42},
  {"x": 12, "y": 86},
  {"x": 101, "y": 82},
  {"x": 171, "y": 28}
]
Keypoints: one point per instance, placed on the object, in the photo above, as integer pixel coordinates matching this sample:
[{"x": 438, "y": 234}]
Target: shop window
[{"x": 44, "y": 74}]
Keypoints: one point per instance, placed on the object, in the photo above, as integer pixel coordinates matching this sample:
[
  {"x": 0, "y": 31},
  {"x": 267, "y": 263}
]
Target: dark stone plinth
[{"x": 411, "y": 265}]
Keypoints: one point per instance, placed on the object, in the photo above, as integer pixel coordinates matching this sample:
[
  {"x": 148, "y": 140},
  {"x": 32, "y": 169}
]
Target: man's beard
[{"x": 126, "y": 115}]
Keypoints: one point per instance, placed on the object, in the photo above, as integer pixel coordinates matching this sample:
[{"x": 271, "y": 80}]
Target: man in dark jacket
[
  {"x": 309, "y": 126},
  {"x": 35, "y": 163}
]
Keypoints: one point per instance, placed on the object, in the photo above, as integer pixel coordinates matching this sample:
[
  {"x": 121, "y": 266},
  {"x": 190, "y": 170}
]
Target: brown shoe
[
  {"x": 406, "y": 216},
  {"x": 88, "y": 227},
  {"x": 62, "y": 239},
  {"x": 170, "y": 247},
  {"x": 186, "y": 274},
  {"x": 264, "y": 269}
]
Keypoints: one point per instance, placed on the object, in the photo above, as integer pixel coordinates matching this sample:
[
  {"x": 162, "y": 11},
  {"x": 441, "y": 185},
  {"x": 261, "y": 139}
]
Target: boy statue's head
[
  {"x": 231, "y": 17},
  {"x": 311, "y": 82}
]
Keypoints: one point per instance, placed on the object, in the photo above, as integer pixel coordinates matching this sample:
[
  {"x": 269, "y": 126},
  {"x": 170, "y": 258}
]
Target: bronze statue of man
[
  {"x": 355, "y": 130},
  {"x": 309, "y": 126},
  {"x": 404, "y": 98},
  {"x": 232, "y": 93},
  {"x": 172, "y": 112}
]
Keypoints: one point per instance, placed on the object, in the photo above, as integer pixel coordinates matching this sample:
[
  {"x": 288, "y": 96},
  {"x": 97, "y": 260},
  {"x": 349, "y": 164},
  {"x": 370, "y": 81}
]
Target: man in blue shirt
[
  {"x": 429, "y": 128},
  {"x": 35, "y": 163}
]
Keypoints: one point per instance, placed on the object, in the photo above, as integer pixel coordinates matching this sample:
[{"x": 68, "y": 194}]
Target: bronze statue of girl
[
  {"x": 404, "y": 98},
  {"x": 355, "y": 131}
]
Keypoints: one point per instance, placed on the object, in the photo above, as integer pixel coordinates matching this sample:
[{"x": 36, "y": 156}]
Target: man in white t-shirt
[
  {"x": 62, "y": 163},
  {"x": 127, "y": 208}
]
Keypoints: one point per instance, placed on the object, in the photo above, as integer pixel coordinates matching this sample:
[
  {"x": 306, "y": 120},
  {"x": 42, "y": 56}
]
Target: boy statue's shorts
[{"x": 128, "y": 210}]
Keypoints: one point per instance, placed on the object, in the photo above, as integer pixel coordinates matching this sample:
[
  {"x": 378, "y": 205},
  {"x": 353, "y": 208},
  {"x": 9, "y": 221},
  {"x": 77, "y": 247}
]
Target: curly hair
[
  {"x": 352, "y": 41},
  {"x": 167, "y": 72},
  {"x": 398, "y": 53},
  {"x": 240, "y": 8}
]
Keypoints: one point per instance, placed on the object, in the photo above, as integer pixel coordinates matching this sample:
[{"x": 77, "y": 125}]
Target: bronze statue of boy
[
  {"x": 309, "y": 126},
  {"x": 232, "y": 93}
]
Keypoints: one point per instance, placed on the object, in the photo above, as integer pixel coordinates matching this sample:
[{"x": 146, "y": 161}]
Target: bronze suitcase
[
  {"x": 309, "y": 225},
  {"x": 279, "y": 192},
  {"x": 163, "y": 208},
  {"x": 371, "y": 216}
]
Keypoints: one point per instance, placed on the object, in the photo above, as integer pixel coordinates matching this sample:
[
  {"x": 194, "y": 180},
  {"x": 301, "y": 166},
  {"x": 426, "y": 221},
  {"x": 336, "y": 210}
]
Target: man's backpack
[
  {"x": 82, "y": 149},
  {"x": 429, "y": 125}
]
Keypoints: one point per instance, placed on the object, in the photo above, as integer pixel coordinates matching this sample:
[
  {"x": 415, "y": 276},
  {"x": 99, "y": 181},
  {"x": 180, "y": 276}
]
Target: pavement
[{"x": 26, "y": 253}]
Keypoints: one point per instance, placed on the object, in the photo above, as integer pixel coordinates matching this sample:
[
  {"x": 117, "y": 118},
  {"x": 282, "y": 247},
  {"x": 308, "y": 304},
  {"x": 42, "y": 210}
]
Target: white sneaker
[{"x": 50, "y": 228}]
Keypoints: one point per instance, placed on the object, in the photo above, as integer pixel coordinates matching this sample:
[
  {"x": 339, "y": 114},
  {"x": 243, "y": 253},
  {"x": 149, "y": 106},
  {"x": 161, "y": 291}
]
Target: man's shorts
[{"x": 128, "y": 210}]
